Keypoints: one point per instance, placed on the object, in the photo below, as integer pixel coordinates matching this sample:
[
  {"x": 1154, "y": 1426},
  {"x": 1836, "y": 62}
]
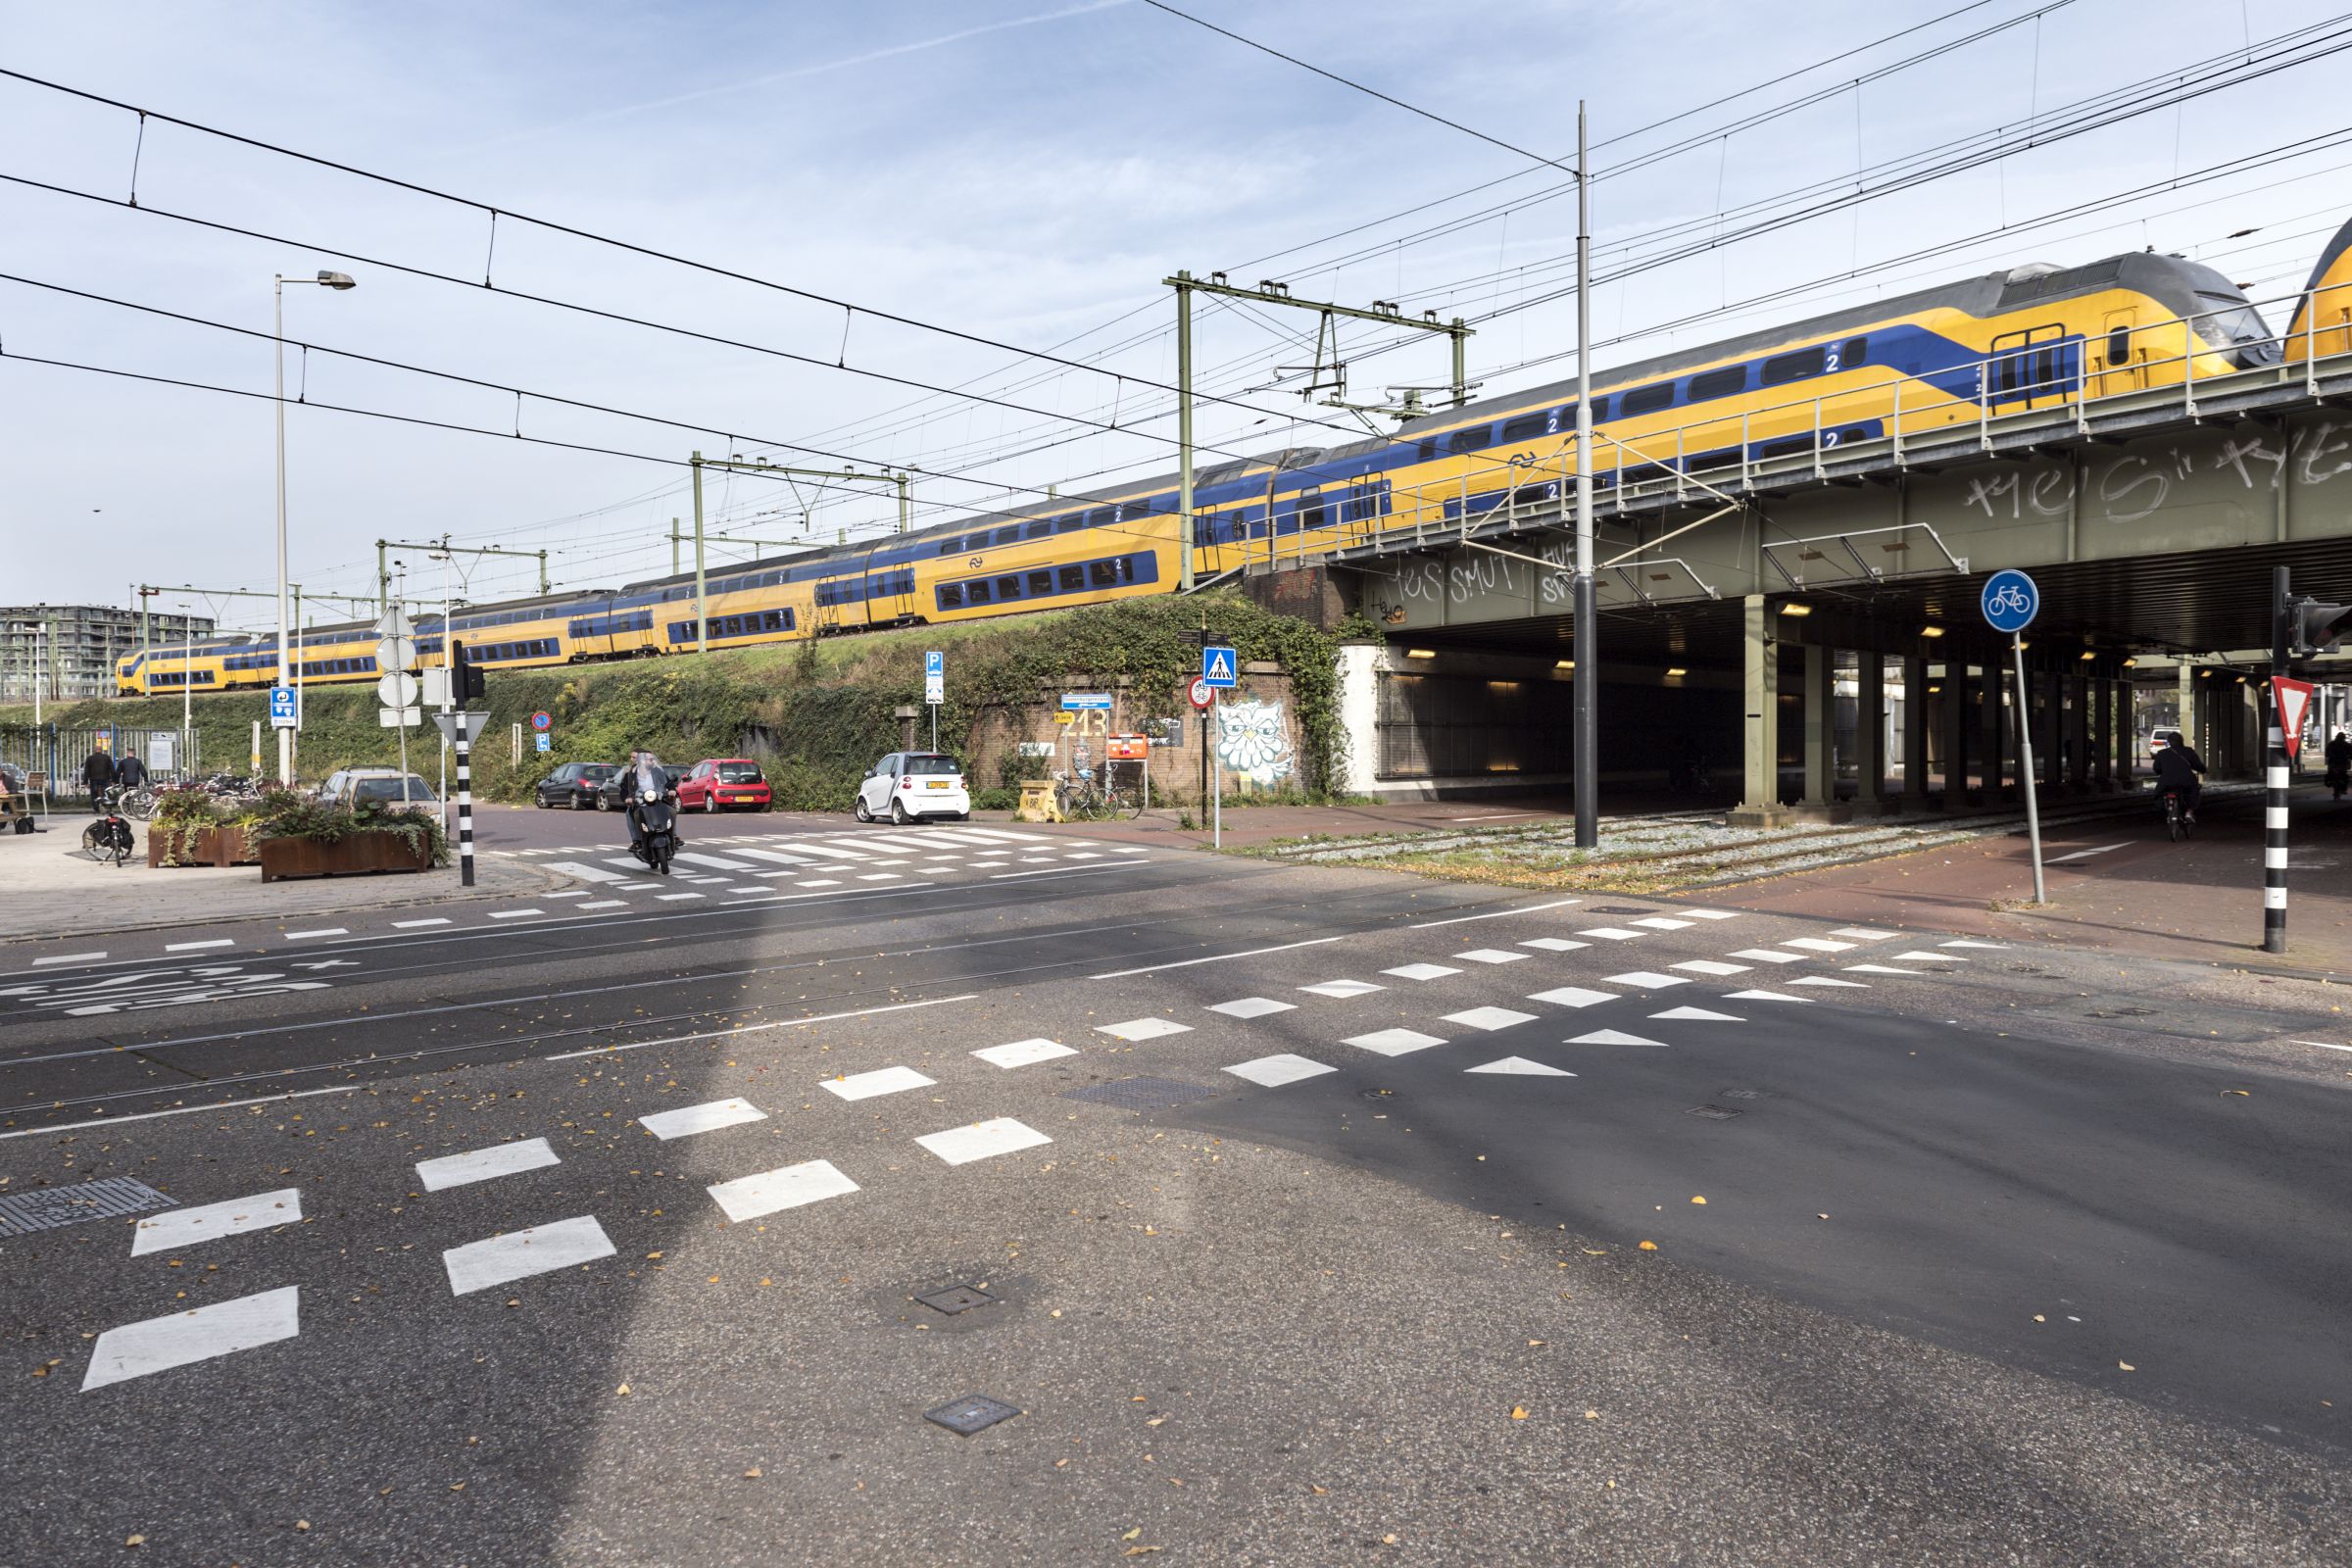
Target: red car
[{"x": 722, "y": 784}]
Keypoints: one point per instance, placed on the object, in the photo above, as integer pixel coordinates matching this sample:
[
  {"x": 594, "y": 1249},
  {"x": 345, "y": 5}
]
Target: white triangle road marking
[
  {"x": 1523, "y": 1067},
  {"x": 1614, "y": 1036}
]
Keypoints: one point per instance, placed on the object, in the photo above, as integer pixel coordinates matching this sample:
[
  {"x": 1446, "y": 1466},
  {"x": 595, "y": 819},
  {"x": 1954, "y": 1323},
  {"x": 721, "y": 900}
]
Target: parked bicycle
[{"x": 109, "y": 838}]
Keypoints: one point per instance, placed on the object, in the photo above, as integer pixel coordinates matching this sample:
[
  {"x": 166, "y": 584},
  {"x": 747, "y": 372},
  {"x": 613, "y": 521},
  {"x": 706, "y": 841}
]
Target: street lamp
[{"x": 285, "y": 677}]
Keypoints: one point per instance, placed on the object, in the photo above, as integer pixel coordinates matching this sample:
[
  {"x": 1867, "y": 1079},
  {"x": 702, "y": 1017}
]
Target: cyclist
[{"x": 2176, "y": 769}]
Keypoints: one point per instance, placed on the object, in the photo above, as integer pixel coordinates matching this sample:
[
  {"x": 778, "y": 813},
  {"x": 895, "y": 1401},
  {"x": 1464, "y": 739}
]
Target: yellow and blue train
[{"x": 2005, "y": 342}]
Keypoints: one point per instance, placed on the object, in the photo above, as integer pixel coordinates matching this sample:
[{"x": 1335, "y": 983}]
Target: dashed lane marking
[
  {"x": 1488, "y": 1018},
  {"x": 881, "y": 1081},
  {"x": 199, "y": 1334},
  {"x": 1522, "y": 1067},
  {"x": 1660, "y": 922},
  {"x": 1393, "y": 1041},
  {"x": 1762, "y": 995},
  {"x": 1340, "y": 990},
  {"x": 519, "y": 1255},
  {"x": 1864, "y": 933},
  {"x": 186, "y": 1227},
  {"x": 607, "y": 904},
  {"x": 418, "y": 925},
  {"x": 1272, "y": 1072},
  {"x": 192, "y": 947},
  {"x": 688, "y": 1120},
  {"x": 771, "y": 1191},
  {"x": 1251, "y": 1006},
  {"x": 69, "y": 957},
  {"x": 1492, "y": 914},
  {"x": 515, "y": 915},
  {"x": 1139, "y": 1029},
  {"x": 485, "y": 1164},
  {"x": 321, "y": 931},
  {"x": 1023, "y": 1053},
  {"x": 982, "y": 1139},
  {"x": 1930, "y": 957},
  {"x": 1573, "y": 997},
  {"x": 1880, "y": 969},
  {"x": 1217, "y": 958}
]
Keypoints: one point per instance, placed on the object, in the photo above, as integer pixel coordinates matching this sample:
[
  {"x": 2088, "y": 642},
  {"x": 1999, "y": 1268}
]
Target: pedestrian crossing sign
[{"x": 1220, "y": 667}]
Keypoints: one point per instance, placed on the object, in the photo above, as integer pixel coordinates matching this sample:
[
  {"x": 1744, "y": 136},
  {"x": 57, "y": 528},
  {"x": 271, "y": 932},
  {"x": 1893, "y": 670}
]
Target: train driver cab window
[{"x": 1852, "y": 352}]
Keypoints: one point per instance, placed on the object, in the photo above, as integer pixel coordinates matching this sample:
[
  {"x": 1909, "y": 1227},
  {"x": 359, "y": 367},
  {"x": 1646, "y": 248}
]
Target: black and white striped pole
[
  {"x": 464, "y": 804},
  {"x": 2273, "y": 798}
]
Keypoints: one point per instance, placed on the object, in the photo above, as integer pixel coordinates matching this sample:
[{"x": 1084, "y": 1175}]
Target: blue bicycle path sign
[{"x": 2011, "y": 601}]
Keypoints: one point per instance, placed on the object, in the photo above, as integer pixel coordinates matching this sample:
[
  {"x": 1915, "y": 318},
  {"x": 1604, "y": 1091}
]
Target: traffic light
[
  {"x": 469, "y": 682},
  {"x": 2315, "y": 628}
]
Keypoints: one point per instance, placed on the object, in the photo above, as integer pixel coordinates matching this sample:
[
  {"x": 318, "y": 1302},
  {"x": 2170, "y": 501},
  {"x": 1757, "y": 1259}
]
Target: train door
[
  {"x": 2118, "y": 356},
  {"x": 2031, "y": 369}
]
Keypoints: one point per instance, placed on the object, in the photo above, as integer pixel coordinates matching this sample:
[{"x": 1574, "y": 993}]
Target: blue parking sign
[
  {"x": 1220, "y": 667},
  {"x": 542, "y": 739}
]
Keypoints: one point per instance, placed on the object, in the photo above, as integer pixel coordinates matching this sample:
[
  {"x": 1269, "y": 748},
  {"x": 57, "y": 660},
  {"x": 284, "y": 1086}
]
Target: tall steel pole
[
  {"x": 702, "y": 619},
  {"x": 285, "y": 675},
  {"x": 1585, "y": 738},
  {"x": 1184, "y": 434}
]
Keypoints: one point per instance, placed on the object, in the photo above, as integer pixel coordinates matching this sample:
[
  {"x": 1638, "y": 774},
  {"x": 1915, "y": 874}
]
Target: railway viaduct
[{"x": 1737, "y": 604}]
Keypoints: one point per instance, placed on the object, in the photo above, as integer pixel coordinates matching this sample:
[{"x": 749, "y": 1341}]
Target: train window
[
  {"x": 1098, "y": 517},
  {"x": 1794, "y": 365},
  {"x": 2118, "y": 347},
  {"x": 1423, "y": 451},
  {"x": 1009, "y": 588},
  {"x": 948, "y": 547},
  {"x": 1074, "y": 579},
  {"x": 1070, "y": 524},
  {"x": 1719, "y": 383},
  {"x": 1470, "y": 440},
  {"x": 1099, "y": 574},
  {"x": 1855, "y": 351},
  {"x": 1644, "y": 399},
  {"x": 977, "y": 591},
  {"x": 950, "y": 595},
  {"x": 1037, "y": 530},
  {"x": 1524, "y": 428},
  {"x": 1006, "y": 536},
  {"x": 1040, "y": 584},
  {"x": 1310, "y": 512}
]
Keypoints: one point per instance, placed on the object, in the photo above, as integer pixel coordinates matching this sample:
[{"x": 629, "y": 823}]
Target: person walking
[
  {"x": 130, "y": 773},
  {"x": 97, "y": 774}
]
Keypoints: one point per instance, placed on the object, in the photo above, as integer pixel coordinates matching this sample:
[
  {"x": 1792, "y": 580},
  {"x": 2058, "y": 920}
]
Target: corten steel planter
[
  {"x": 214, "y": 847},
  {"x": 353, "y": 854}
]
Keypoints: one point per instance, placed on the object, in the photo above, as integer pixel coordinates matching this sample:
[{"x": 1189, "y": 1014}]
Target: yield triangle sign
[{"x": 2293, "y": 697}]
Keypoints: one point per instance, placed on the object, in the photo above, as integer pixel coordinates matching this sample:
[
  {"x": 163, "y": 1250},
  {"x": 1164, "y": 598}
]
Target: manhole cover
[
  {"x": 956, "y": 1298},
  {"x": 1744, "y": 1093},
  {"x": 974, "y": 1413},
  {"x": 1716, "y": 1112},
  {"x": 1140, "y": 1094},
  {"x": 24, "y": 1214}
]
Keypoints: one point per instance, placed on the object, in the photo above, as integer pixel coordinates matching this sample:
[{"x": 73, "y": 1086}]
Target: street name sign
[{"x": 1085, "y": 702}]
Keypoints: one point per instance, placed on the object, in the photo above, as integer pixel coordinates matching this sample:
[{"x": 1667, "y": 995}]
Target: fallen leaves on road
[
  {"x": 134, "y": 1541},
  {"x": 1649, "y": 1246},
  {"x": 1700, "y": 1201},
  {"x": 622, "y": 1390},
  {"x": 2126, "y": 1366},
  {"x": 1131, "y": 1534},
  {"x": 2239, "y": 1093},
  {"x": 754, "y": 1473},
  {"x": 1518, "y": 1412},
  {"x": 1592, "y": 1415}
]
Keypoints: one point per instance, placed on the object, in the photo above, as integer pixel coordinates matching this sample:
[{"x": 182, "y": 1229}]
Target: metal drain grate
[
  {"x": 53, "y": 1206},
  {"x": 1716, "y": 1112},
  {"x": 974, "y": 1413},
  {"x": 956, "y": 1298},
  {"x": 1140, "y": 1094}
]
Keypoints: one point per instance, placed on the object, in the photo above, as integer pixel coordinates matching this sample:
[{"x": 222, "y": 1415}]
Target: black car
[{"x": 575, "y": 785}]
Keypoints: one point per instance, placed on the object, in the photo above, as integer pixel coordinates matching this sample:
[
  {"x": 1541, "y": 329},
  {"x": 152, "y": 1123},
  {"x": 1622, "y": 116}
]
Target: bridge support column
[
  {"x": 1995, "y": 717},
  {"x": 1915, "y": 733},
  {"x": 1869, "y": 731},
  {"x": 2077, "y": 732},
  {"x": 1820, "y": 802},
  {"x": 2049, "y": 727},
  {"x": 2126, "y": 734},
  {"x": 2187, "y": 720},
  {"x": 2102, "y": 734},
  {"x": 1952, "y": 705},
  {"x": 1760, "y": 724}
]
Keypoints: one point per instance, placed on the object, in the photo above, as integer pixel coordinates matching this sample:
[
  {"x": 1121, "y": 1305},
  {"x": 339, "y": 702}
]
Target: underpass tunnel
[{"x": 1757, "y": 705}]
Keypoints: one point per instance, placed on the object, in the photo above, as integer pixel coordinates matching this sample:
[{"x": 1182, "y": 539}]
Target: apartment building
[{"x": 69, "y": 652}]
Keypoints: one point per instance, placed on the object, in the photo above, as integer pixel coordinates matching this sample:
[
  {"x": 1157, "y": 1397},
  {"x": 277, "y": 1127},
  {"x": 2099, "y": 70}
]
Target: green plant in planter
[
  {"x": 284, "y": 814},
  {"x": 182, "y": 815}
]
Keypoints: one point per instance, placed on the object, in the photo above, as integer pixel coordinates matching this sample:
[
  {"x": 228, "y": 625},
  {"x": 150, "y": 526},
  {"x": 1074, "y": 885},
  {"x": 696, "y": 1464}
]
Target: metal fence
[{"x": 61, "y": 750}]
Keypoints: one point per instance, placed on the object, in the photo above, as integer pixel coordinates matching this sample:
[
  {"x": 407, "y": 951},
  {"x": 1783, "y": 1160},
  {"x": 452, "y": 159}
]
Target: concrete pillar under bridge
[
  {"x": 1915, "y": 732},
  {"x": 1997, "y": 716},
  {"x": 1760, "y": 718},
  {"x": 1869, "y": 731},
  {"x": 1820, "y": 699}
]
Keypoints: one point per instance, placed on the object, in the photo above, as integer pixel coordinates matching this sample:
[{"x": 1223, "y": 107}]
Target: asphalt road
[{"x": 2076, "y": 1297}]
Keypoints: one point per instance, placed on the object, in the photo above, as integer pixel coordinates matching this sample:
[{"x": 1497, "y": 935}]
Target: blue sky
[{"x": 1024, "y": 170}]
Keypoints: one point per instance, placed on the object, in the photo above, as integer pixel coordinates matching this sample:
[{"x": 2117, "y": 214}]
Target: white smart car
[{"x": 905, "y": 785}]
